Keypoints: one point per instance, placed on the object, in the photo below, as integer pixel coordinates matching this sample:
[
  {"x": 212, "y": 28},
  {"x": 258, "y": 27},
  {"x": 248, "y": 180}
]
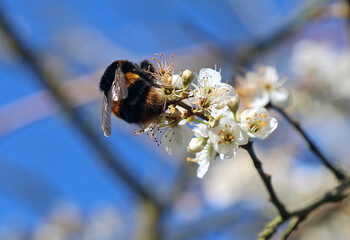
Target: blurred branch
[
  {"x": 267, "y": 181},
  {"x": 333, "y": 196},
  {"x": 241, "y": 54},
  {"x": 41, "y": 104},
  {"x": 30, "y": 188},
  {"x": 49, "y": 80},
  {"x": 336, "y": 171}
]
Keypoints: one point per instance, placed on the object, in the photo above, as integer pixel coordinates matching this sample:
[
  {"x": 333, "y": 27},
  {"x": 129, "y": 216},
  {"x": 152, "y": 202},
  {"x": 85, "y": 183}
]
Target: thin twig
[
  {"x": 335, "y": 170},
  {"x": 267, "y": 181},
  {"x": 335, "y": 195},
  {"x": 189, "y": 108},
  {"x": 293, "y": 226}
]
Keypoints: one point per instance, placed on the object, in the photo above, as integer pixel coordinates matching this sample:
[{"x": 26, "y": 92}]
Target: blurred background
[{"x": 61, "y": 179}]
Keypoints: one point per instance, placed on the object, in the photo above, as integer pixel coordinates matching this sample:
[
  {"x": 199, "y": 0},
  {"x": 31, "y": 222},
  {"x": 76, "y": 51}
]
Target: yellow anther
[
  {"x": 226, "y": 125},
  {"x": 255, "y": 114},
  {"x": 228, "y": 141},
  {"x": 230, "y": 137},
  {"x": 223, "y": 136},
  {"x": 219, "y": 142},
  {"x": 229, "y": 126},
  {"x": 188, "y": 159}
]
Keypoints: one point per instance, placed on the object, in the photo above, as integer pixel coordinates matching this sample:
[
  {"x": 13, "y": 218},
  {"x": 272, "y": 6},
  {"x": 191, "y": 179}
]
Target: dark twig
[
  {"x": 336, "y": 171},
  {"x": 189, "y": 108},
  {"x": 267, "y": 181},
  {"x": 333, "y": 196},
  {"x": 293, "y": 226}
]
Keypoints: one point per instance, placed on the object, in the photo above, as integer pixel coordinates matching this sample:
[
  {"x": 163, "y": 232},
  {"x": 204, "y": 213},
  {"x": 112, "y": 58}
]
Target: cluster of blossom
[{"x": 212, "y": 109}]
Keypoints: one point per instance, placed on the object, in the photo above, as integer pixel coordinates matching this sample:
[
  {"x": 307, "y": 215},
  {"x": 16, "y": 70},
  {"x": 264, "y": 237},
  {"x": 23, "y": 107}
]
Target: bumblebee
[{"x": 130, "y": 93}]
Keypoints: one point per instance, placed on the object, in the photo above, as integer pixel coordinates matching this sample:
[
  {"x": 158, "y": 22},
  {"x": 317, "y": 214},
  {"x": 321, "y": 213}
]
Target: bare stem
[
  {"x": 335, "y": 170},
  {"x": 267, "y": 181},
  {"x": 334, "y": 195},
  {"x": 189, "y": 108}
]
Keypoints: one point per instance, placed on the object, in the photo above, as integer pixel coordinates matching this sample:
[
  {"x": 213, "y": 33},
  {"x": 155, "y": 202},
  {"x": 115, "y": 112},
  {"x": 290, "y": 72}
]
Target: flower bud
[
  {"x": 187, "y": 77},
  {"x": 233, "y": 103},
  {"x": 196, "y": 145}
]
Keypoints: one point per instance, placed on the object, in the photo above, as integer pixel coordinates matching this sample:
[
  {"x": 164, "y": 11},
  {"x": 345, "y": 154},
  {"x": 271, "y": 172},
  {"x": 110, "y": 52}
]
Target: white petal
[
  {"x": 271, "y": 126},
  {"x": 259, "y": 99},
  {"x": 243, "y": 138},
  {"x": 270, "y": 74},
  {"x": 177, "y": 81},
  {"x": 202, "y": 169},
  {"x": 228, "y": 155},
  {"x": 280, "y": 97},
  {"x": 210, "y": 75},
  {"x": 186, "y": 133},
  {"x": 201, "y": 130}
]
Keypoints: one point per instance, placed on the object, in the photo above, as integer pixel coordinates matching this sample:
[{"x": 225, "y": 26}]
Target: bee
[{"x": 130, "y": 93}]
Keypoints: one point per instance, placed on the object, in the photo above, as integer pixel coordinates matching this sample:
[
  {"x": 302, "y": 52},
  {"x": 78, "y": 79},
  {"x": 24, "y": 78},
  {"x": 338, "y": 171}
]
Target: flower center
[
  {"x": 227, "y": 135},
  {"x": 256, "y": 123}
]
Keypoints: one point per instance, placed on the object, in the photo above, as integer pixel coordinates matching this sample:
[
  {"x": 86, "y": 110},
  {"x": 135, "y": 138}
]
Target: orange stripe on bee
[
  {"x": 130, "y": 78},
  {"x": 115, "y": 108}
]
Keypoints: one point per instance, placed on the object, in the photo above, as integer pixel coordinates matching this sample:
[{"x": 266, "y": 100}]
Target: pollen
[
  {"x": 219, "y": 142},
  {"x": 255, "y": 114},
  {"x": 223, "y": 130},
  {"x": 188, "y": 159},
  {"x": 223, "y": 136},
  {"x": 228, "y": 142}
]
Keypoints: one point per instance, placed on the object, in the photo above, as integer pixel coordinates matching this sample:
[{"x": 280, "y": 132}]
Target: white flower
[
  {"x": 168, "y": 129},
  {"x": 226, "y": 137},
  {"x": 177, "y": 81},
  {"x": 257, "y": 123},
  {"x": 260, "y": 88},
  {"x": 175, "y": 137},
  {"x": 208, "y": 77},
  {"x": 201, "y": 135},
  {"x": 204, "y": 158},
  {"x": 211, "y": 95}
]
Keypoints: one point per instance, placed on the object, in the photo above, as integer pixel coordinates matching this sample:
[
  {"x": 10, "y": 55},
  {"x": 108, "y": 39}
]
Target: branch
[
  {"x": 267, "y": 181},
  {"x": 333, "y": 196},
  {"x": 189, "y": 108},
  {"x": 335, "y": 170}
]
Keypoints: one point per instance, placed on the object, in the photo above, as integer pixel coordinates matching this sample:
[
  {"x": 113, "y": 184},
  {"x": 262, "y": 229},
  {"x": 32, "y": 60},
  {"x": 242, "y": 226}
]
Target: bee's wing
[
  {"x": 106, "y": 116},
  {"x": 119, "y": 89}
]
